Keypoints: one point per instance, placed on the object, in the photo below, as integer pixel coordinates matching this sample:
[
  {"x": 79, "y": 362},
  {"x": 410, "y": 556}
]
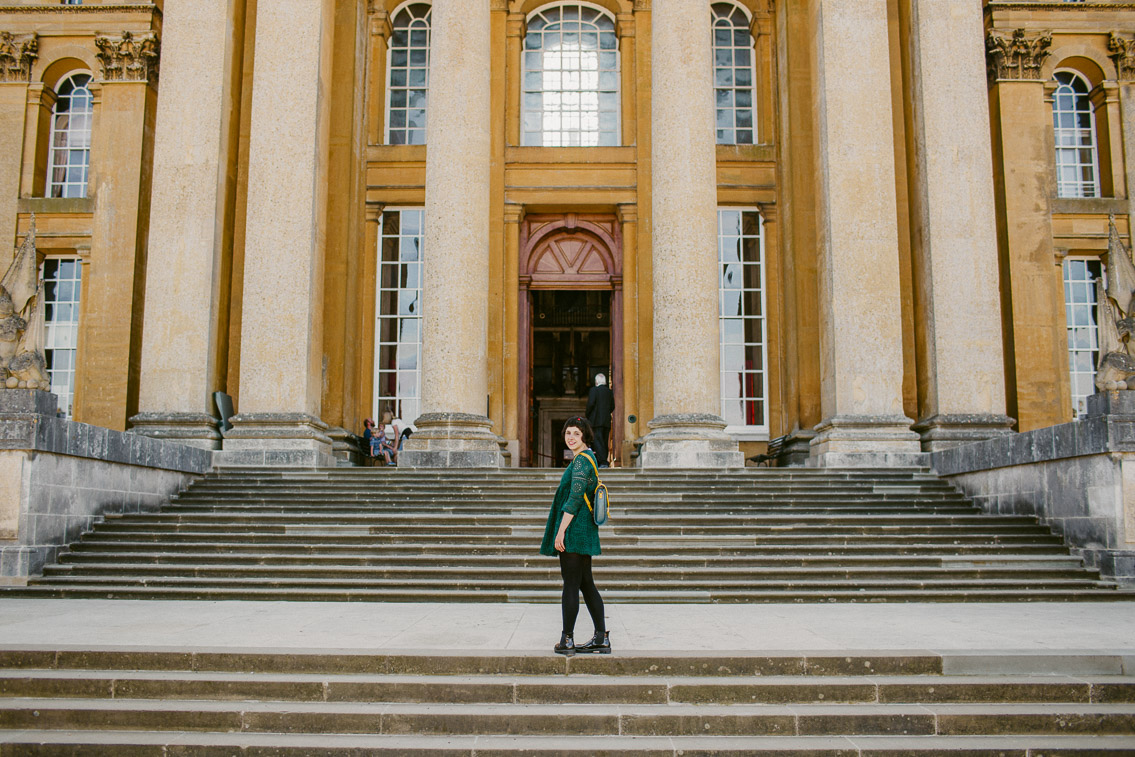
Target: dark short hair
[{"x": 583, "y": 426}]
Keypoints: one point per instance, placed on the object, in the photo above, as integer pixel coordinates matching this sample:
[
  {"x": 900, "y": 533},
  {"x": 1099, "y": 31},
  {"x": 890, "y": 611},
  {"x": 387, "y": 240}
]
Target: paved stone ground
[{"x": 1029, "y": 628}]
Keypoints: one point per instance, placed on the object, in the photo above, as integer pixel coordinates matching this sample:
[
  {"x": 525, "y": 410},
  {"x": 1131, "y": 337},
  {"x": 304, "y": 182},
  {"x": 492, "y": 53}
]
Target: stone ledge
[{"x": 28, "y": 422}]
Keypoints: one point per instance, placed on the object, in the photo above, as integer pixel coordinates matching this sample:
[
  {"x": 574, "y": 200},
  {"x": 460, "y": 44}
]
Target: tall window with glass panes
[
  {"x": 743, "y": 323},
  {"x": 62, "y": 287},
  {"x": 1080, "y": 276},
  {"x": 408, "y": 80},
  {"x": 398, "y": 354},
  {"x": 733, "y": 80}
]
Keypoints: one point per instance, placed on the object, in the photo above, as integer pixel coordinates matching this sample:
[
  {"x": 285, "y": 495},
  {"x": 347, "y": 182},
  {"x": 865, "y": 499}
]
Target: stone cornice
[
  {"x": 16, "y": 56},
  {"x": 1122, "y": 51},
  {"x": 1052, "y": 5},
  {"x": 129, "y": 57},
  {"x": 83, "y": 9},
  {"x": 1016, "y": 55}
]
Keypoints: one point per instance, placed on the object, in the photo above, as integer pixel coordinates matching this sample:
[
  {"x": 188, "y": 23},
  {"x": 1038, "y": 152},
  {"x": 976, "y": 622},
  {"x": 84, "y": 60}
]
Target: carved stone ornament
[
  {"x": 1122, "y": 51},
  {"x": 22, "y": 365},
  {"x": 1016, "y": 55},
  {"x": 16, "y": 56},
  {"x": 130, "y": 57},
  {"x": 1115, "y": 315}
]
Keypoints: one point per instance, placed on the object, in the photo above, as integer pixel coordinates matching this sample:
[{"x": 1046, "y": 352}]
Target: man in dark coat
[{"x": 600, "y": 405}]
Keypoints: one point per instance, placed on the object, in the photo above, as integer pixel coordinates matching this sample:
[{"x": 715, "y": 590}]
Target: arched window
[
  {"x": 571, "y": 77},
  {"x": 732, "y": 74},
  {"x": 408, "y": 83},
  {"x": 1074, "y": 124},
  {"x": 69, "y": 158}
]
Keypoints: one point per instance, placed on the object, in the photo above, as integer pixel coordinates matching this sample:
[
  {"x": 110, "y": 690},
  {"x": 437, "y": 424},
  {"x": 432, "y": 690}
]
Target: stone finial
[
  {"x": 1122, "y": 51},
  {"x": 16, "y": 56},
  {"x": 22, "y": 365},
  {"x": 1016, "y": 55},
  {"x": 1115, "y": 316},
  {"x": 130, "y": 57}
]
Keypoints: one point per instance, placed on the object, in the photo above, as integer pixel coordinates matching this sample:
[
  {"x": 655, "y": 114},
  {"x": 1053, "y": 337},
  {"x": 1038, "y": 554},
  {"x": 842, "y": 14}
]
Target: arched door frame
[{"x": 535, "y": 231}]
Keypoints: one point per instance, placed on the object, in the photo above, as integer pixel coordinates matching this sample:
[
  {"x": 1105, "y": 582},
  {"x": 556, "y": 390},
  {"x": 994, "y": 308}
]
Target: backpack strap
[{"x": 594, "y": 467}]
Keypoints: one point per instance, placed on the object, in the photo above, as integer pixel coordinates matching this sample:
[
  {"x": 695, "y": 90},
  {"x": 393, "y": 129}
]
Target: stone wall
[
  {"x": 58, "y": 477},
  {"x": 1078, "y": 478}
]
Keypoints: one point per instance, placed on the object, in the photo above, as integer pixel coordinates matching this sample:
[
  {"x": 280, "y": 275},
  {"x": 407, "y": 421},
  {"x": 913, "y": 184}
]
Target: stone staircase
[
  {"x": 284, "y": 704},
  {"x": 767, "y": 535}
]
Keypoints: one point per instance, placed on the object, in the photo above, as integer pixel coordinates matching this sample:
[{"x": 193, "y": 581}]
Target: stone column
[
  {"x": 378, "y": 41},
  {"x": 281, "y": 339},
  {"x": 1122, "y": 51},
  {"x": 120, "y": 182},
  {"x": 453, "y": 430},
  {"x": 628, "y": 221},
  {"x": 861, "y": 364},
  {"x": 185, "y": 333},
  {"x": 1024, "y": 160},
  {"x": 961, "y": 381},
  {"x": 628, "y": 76},
  {"x": 687, "y": 429},
  {"x": 513, "y": 217},
  {"x": 15, "y": 75}
]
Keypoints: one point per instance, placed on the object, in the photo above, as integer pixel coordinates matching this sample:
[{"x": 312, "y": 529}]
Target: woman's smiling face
[{"x": 573, "y": 438}]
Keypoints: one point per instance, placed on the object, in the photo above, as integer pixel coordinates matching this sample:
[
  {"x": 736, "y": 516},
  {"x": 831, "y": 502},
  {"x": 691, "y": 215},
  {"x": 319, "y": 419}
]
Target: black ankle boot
[
  {"x": 566, "y": 645},
  {"x": 599, "y": 644}
]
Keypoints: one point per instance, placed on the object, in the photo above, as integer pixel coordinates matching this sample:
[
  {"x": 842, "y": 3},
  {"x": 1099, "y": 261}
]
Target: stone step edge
[
  {"x": 857, "y": 662},
  {"x": 287, "y": 745}
]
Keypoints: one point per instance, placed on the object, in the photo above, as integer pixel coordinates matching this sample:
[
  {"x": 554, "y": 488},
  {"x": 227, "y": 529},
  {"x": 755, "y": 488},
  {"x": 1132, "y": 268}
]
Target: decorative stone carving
[
  {"x": 22, "y": 365},
  {"x": 1016, "y": 55},
  {"x": 1115, "y": 314},
  {"x": 16, "y": 56},
  {"x": 1122, "y": 51},
  {"x": 129, "y": 57}
]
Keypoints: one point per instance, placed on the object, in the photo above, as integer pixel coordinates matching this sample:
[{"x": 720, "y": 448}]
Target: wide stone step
[
  {"x": 545, "y": 689},
  {"x": 571, "y": 719},
  {"x": 40, "y": 743},
  {"x": 548, "y": 570}
]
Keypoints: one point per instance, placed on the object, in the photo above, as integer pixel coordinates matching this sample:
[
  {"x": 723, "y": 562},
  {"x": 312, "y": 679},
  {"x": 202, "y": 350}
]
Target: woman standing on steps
[{"x": 571, "y": 534}]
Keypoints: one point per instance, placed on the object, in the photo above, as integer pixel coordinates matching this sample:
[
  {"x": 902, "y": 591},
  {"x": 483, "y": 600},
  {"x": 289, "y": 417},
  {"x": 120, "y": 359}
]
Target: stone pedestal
[
  {"x": 186, "y": 303},
  {"x": 453, "y": 429},
  {"x": 861, "y": 360},
  {"x": 291, "y": 439},
  {"x": 961, "y": 371},
  {"x": 687, "y": 429}
]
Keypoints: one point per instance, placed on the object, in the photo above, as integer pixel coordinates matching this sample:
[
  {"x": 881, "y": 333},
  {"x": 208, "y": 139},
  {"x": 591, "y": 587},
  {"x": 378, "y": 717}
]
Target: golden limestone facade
[{"x": 872, "y": 227}]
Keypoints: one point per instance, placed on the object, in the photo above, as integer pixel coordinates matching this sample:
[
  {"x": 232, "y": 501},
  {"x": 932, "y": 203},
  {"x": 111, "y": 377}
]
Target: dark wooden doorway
[{"x": 570, "y": 326}]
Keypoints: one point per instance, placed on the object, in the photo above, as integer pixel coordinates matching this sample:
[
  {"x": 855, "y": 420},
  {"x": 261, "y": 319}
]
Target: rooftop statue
[
  {"x": 22, "y": 365},
  {"x": 1116, "y": 367}
]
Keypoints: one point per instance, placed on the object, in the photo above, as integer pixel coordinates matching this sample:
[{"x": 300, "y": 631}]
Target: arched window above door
[
  {"x": 571, "y": 78},
  {"x": 407, "y": 89},
  {"x": 69, "y": 151},
  {"x": 733, "y": 79}
]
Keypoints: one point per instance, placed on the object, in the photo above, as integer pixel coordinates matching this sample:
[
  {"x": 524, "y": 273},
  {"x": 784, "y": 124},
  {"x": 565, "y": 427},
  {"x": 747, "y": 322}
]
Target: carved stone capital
[
  {"x": 130, "y": 57},
  {"x": 1122, "y": 51},
  {"x": 1016, "y": 55},
  {"x": 17, "y": 54}
]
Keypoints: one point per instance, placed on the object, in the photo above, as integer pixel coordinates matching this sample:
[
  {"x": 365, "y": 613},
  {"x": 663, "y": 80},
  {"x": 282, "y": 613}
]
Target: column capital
[
  {"x": 374, "y": 211},
  {"x": 627, "y": 212},
  {"x": 642, "y": 6},
  {"x": 624, "y": 25},
  {"x": 1122, "y": 51},
  {"x": 41, "y": 94},
  {"x": 498, "y": 6},
  {"x": 1015, "y": 54},
  {"x": 767, "y": 211},
  {"x": 17, "y": 54},
  {"x": 379, "y": 20},
  {"x": 129, "y": 57},
  {"x": 513, "y": 212},
  {"x": 514, "y": 25},
  {"x": 1103, "y": 93}
]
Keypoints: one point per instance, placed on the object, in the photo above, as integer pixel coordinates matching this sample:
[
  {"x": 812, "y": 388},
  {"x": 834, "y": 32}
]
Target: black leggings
[{"x": 576, "y": 570}]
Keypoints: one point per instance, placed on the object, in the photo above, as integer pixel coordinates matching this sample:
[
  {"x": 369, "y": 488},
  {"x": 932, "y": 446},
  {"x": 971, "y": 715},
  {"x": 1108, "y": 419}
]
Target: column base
[
  {"x": 452, "y": 440},
  {"x": 866, "y": 441},
  {"x": 689, "y": 440},
  {"x": 194, "y": 429},
  {"x": 940, "y": 432},
  {"x": 276, "y": 439},
  {"x": 797, "y": 448}
]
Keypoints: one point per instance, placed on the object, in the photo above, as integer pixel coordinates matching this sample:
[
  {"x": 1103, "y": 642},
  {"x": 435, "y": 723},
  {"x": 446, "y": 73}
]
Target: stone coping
[
  {"x": 28, "y": 422},
  {"x": 1091, "y": 436}
]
